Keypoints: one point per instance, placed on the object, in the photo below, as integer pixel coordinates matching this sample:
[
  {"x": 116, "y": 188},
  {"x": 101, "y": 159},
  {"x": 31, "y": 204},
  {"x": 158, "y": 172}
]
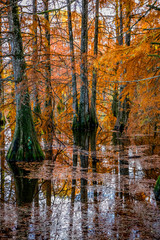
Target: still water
[{"x": 97, "y": 186}]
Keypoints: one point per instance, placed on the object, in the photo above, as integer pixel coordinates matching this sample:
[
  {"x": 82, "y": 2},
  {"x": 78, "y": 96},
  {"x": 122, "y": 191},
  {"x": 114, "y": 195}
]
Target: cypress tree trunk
[
  {"x": 121, "y": 24},
  {"x": 118, "y": 125},
  {"x": 117, "y": 23},
  {"x": 73, "y": 68},
  {"x": 1, "y": 83},
  {"x": 84, "y": 117},
  {"x": 36, "y": 107},
  {"x": 24, "y": 146},
  {"x": 128, "y": 17},
  {"x": 123, "y": 107},
  {"x": 48, "y": 111},
  {"x": 94, "y": 121}
]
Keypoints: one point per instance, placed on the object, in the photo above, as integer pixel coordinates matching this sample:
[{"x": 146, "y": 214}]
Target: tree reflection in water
[{"x": 89, "y": 190}]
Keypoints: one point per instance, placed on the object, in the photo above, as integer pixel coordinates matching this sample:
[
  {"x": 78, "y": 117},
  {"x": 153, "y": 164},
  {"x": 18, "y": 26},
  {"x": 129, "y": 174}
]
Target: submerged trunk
[
  {"x": 84, "y": 117},
  {"x": 73, "y": 68},
  {"x": 24, "y": 146},
  {"x": 94, "y": 121}
]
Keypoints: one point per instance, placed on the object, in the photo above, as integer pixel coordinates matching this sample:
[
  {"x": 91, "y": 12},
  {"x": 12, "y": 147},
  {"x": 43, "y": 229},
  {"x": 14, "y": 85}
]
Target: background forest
[
  {"x": 78, "y": 65},
  {"x": 80, "y": 119}
]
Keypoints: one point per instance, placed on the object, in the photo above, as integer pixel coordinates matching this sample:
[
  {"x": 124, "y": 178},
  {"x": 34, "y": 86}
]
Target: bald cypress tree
[{"x": 24, "y": 146}]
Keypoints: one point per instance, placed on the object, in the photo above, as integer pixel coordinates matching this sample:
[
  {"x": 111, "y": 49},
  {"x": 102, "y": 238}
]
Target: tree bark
[
  {"x": 123, "y": 107},
  {"x": 121, "y": 24},
  {"x": 84, "y": 117},
  {"x": 1, "y": 82},
  {"x": 73, "y": 68},
  {"x": 49, "y": 124},
  {"x": 94, "y": 121},
  {"x": 117, "y": 23},
  {"x": 128, "y": 17},
  {"x": 36, "y": 107},
  {"x": 24, "y": 146}
]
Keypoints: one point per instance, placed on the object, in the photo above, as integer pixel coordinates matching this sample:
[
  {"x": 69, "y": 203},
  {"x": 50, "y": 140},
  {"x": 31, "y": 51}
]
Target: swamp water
[{"x": 101, "y": 189}]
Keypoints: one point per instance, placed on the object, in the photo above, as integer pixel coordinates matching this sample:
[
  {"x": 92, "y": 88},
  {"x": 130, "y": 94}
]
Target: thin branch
[
  {"x": 138, "y": 80},
  {"x": 55, "y": 9}
]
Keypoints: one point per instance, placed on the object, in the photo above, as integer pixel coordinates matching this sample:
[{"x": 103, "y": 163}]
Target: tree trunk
[
  {"x": 49, "y": 125},
  {"x": 36, "y": 107},
  {"x": 123, "y": 107},
  {"x": 94, "y": 121},
  {"x": 73, "y": 68},
  {"x": 84, "y": 117},
  {"x": 24, "y": 146},
  {"x": 121, "y": 24},
  {"x": 117, "y": 23},
  {"x": 128, "y": 17},
  {"x": 1, "y": 82}
]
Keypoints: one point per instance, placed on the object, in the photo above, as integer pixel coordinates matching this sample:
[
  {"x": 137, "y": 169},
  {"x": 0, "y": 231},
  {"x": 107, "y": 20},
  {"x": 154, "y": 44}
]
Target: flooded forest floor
[{"x": 102, "y": 188}]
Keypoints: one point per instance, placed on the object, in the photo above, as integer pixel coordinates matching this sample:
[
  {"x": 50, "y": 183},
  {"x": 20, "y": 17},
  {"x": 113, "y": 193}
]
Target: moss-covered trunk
[
  {"x": 157, "y": 189},
  {"x": 24, "y": 146}
]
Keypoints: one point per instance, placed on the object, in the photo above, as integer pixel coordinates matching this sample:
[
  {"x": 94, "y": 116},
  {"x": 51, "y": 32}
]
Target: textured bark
[
  {"x": 117, "y": 23},
  {"x": 36, "y": 107},
  {"x": 73, "y": 68},
  {"x": 128, "y": 17},
  {"x": 93, "y": 120},
  {"x": 24, "y": 146},
  {"x": 49, "y": 124},
  {"x": 115, "y": 103},
  {"x": 121, "y": 24},
  {"x": 157, "y": 189},
  {"x": 123, "y": 107},
  {"x": 1, "y": 83},
  {"x": 84, "y": 117}
]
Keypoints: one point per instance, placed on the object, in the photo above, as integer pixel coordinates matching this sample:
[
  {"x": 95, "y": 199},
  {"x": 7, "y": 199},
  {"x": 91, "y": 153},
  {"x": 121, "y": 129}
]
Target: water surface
[{"x": 89, "y": 187}]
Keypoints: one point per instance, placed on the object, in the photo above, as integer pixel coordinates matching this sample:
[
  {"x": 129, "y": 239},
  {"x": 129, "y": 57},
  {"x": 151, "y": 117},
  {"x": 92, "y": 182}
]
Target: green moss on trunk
[
  {"x": 25, "y": 146},
  {"x": 157, "y": 189}
]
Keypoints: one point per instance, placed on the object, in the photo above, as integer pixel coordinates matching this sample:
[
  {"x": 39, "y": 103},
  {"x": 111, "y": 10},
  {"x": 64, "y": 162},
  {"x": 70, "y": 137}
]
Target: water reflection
[
  {"x": 2, "y": 140},
  {"x": 90, "y": 190}
]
